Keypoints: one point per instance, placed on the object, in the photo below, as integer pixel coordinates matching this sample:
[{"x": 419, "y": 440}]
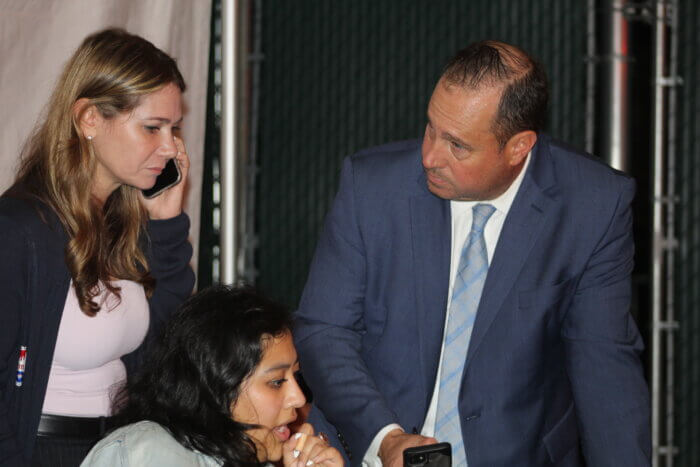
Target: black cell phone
[
  {"x": 432, "y": 455},
  {"x": 168, "y": 177}
]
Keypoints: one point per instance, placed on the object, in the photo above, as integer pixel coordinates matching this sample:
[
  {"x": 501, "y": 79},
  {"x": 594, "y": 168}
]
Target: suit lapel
[
  {"x": 430, "y": 226},
  {"x": 526, "y": 218}
]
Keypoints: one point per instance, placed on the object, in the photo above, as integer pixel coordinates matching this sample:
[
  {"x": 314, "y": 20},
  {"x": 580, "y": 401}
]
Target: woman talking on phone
[{"x": 89, "y": 268}]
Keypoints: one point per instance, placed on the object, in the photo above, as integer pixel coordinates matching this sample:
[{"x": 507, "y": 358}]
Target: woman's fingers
[
  {"x": 311, "y": 450},
  {"x": 307, "y": 450},
  {"x": 182, "y": 158},
  {"x": 291, "y": 450},
  {"x": 328, "y": 456},
  {"x": 181, "y": 151},
  {"x": 288, "y": 451}
]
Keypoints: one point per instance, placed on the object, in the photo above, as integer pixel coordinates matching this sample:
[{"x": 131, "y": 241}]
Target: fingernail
[
  {"x": 309, "y": 462},
  {"x": 297, "y": 436},
  {"x": 296, "y": 453}
]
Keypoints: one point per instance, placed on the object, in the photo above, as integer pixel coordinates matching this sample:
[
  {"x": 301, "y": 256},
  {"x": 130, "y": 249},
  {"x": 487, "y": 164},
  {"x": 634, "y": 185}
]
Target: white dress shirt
[{"x": 461, "y": 225}]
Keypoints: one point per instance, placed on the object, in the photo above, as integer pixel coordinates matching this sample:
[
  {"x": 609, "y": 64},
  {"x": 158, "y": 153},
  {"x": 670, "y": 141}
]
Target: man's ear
[
  {"x": 86, "y": 117},
  {"x": 519, "y": 145}
]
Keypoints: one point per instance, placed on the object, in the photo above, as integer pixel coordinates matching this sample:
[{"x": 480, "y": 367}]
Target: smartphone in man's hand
[{"x": 431, "y": 455}]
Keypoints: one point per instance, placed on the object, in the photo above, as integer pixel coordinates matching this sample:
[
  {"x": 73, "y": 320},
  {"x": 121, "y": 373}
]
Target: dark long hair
[{"x": 193, "y": 375}]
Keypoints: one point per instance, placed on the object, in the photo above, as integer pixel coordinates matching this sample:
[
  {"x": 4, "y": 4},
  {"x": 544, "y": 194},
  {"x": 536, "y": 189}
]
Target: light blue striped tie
[{"x": 466, "y": 294}]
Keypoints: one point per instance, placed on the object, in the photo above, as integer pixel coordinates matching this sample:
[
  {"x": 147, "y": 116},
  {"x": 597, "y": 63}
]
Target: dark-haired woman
[
  {"x": 219, "y": 389},
  {"x": 89, "y": 268}
]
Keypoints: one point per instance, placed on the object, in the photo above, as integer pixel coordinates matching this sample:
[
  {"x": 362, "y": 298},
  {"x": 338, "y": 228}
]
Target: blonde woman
[{"x": 89, "y": 268}]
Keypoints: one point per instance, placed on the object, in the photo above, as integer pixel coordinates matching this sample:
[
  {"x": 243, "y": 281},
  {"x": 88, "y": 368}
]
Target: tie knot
[{"x": 481, "y": 214}]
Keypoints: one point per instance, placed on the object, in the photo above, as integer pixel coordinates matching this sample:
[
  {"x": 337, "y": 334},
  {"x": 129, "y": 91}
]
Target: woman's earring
[{"x": 89, "y": 137}]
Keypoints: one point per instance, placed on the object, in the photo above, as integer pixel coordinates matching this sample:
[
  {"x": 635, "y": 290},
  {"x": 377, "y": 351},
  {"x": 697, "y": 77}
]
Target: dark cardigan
[{"x": 34, "y": 281}]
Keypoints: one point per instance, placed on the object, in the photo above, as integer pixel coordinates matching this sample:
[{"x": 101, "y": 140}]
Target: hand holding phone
[
  {"x": 392, "y": 447},
  {"x": 164, "y": 200},
  {"x": 430, "y": 455}
]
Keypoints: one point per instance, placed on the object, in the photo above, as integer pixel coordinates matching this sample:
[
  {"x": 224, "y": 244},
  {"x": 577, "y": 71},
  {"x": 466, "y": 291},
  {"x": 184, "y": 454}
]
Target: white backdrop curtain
[{"x": 38, "y": 36}]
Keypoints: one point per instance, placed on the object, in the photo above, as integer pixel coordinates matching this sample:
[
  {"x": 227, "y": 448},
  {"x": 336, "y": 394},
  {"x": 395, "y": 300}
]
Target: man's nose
[{"x": 431, "y": 155}]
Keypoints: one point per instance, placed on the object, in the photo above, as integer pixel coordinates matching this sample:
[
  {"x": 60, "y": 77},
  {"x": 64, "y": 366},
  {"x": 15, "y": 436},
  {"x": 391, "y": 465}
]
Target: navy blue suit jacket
[{"x": 552, "y": 374}]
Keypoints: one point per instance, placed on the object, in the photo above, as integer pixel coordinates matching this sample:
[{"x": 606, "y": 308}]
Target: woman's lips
[{"x": 282, "y": 432}]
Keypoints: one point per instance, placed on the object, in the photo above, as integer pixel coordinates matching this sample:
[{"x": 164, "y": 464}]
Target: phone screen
[
  {"x": 432, "y": 455},
  {"x": 168, "y": 177}
]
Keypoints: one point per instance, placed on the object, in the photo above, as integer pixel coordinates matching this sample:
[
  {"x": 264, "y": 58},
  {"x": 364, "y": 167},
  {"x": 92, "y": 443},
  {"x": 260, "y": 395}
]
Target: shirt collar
[{"x": 505, "y": 200}]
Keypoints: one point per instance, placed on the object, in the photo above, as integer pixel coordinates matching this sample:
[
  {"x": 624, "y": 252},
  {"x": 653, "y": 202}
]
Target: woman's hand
[
  {"x": 304, "y": 449},
  {"x": 169, "y": 203}
]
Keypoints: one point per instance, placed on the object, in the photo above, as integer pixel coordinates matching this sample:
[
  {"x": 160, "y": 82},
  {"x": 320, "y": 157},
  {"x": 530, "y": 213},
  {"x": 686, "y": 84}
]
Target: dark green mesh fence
[
  {"x": 688, "y": 270},
  {"x": 339, "y": 76}
]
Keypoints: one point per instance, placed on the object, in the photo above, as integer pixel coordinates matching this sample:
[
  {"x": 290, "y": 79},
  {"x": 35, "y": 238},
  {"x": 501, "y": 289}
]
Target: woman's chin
[
  {"x": 274, "y": 451},
  {"x": 271, "y": 449}
]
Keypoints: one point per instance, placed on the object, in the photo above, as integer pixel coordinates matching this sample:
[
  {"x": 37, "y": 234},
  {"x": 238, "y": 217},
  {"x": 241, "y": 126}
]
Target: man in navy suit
[{"x": 549, "y": 372}]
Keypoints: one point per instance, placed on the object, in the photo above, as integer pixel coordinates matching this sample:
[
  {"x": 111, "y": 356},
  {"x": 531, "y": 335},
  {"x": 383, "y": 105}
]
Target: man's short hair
[{"x": 523, "y": 104}]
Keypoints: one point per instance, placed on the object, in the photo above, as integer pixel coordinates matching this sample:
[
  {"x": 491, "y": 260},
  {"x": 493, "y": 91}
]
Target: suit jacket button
[{"x": 344, "y": 444}]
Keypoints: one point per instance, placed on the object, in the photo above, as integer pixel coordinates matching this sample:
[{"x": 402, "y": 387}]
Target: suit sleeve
[
  {"x": 603, "y": 349},
  {"x": 331, "y": 322},
  {"x": 169, "y": 253},
  {"x": 14, "y": 280}
]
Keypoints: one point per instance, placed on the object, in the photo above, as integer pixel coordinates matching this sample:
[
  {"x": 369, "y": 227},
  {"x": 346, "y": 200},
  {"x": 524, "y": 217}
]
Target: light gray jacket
[{"x": 144, "y": 443}]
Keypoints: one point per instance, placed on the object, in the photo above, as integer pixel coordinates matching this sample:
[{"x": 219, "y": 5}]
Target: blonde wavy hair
[{"x": 113, "y": 70}]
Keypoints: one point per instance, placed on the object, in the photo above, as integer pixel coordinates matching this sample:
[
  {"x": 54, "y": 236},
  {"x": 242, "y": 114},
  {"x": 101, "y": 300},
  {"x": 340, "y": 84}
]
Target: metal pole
[
  {"x": 611, "y": 82},
  {"x": 255, "y": 60},
  {"x": 657, "y": 228},
  {"x": 591, "y": 62},
  {"x": 618, "y": 78},
  {"x": 664, "y": 241},
  {"x": 229, "y": 237},
  {"x": 671, "y": 242}
]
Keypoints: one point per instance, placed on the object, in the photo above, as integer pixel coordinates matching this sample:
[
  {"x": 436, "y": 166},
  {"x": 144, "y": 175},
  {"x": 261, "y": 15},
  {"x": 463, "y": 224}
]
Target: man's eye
[{"x": 456, "y": 145}]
